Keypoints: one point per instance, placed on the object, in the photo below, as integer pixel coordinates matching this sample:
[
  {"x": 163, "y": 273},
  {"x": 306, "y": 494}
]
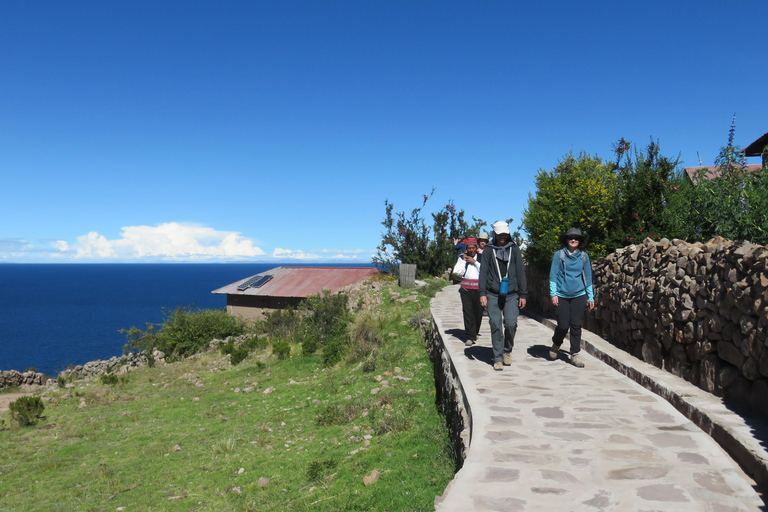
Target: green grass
[{"x": 160, "y": 442}]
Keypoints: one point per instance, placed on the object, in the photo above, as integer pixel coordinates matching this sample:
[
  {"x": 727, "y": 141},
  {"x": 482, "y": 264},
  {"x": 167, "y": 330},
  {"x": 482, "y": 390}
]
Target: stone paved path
[{"x": 549, "y": 436}]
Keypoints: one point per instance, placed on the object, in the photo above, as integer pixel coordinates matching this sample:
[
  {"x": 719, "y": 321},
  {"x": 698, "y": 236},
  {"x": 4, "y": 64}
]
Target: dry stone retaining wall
[
  {"x": 699, "y": 311},
  {"x": 12, "y": 378}
]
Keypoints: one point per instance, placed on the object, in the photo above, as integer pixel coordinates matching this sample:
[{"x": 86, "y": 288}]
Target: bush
[
  {"x": 282, "y": 350},
  {"x": 238, "y": 355},
  {"x": 108, "y": 379},
  {"x": 325, "y": 324},
  {"x": 185, "y": 331},
  {"x": 365, "y": 340},
  {"x": 318, "y": 471},
  {"x": 27, "y": 410},
  {"x": 282, "y": 324}
]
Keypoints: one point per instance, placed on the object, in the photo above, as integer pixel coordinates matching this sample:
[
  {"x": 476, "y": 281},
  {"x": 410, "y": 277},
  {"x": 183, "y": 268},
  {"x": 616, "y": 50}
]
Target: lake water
[{"x": 55, "y": 315}]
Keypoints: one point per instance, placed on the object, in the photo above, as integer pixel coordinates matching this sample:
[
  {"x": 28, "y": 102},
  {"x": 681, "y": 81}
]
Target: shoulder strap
[{"x": 583, "y": 264}]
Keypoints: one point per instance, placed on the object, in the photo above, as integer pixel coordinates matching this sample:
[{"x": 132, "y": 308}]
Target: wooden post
[{"x": 407, "y": 275}]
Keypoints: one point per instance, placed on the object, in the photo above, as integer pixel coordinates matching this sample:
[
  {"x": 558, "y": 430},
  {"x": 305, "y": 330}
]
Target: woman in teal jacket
[{"x": 570, "y": 289}]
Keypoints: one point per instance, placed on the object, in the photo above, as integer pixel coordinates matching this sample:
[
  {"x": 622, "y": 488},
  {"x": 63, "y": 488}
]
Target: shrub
[
  {"x": 325, "y": 325},
  {"x": 365, "y": 339},
  {"x": 185, "y": 331},
  {"x": 27, "y": 410},
  {"x": 282, "y": 324},
  {"x": 108, "y": 379},
  {"x": 238, "y": 355},
  {"x": 318, "y": 471},
  {"x": 282, "y": 350}
]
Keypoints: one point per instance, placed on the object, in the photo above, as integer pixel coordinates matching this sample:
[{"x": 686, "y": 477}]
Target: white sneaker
[{"x": 576, "y": 360}]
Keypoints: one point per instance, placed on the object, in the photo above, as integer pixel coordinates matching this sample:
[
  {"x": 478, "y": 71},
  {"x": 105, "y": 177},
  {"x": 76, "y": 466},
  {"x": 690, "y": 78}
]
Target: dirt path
[{"x": 7, "y": 398}]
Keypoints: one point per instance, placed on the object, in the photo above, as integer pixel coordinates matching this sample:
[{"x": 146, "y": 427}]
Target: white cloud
[
  {"x": 294, "y": 255},
  {"x": 60, "y": 245},
  {"x": 169, "y": 241},
  {"x": 322, "y": 254}
]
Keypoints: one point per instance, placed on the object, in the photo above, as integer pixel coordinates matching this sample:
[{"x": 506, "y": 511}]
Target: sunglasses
[{"x": 573, "y": 238}]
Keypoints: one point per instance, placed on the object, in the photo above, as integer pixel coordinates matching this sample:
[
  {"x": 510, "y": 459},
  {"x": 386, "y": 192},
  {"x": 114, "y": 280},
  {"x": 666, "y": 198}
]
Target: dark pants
[
  {"x": 570, "y": 314},
  {"x": 502, "y": 316},
  {"x": 473, "y": 312}
]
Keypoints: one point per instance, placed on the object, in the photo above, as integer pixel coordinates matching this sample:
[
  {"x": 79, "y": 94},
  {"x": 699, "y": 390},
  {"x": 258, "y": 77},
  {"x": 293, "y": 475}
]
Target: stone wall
[
  {"x": 13, "y": 379},
  {"x": 699, "y": 311},
  {"x": 450, "y": 399}
]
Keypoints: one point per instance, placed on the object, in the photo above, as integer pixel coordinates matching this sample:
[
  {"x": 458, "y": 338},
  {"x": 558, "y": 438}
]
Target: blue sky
[{"x": 274, "y": 130}]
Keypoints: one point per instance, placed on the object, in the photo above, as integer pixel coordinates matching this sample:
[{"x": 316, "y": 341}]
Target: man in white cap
[{"x": 503, "y": 291}]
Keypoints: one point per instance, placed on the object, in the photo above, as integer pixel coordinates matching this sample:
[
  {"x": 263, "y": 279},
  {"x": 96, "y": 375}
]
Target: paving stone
[{"x": 549, "y": 436}]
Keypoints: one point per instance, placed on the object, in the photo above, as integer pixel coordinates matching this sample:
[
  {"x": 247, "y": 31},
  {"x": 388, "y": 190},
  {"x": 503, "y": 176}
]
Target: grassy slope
[{"x": 187, "y": 436}]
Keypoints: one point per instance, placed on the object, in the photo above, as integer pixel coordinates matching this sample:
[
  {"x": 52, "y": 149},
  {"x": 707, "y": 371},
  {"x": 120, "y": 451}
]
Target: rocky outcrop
[{"x": 699, "y": 311}]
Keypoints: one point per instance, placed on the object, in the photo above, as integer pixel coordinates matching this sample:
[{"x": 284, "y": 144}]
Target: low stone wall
[
  {"x": 117, "y": 365},
  {"x": 450, "y": 398},
  {"x": 699, "y": 311},
  {"x": 12, "y": 379}
]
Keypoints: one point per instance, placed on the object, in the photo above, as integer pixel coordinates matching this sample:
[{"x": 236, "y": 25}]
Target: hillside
[{"x": 201, "y": 434}]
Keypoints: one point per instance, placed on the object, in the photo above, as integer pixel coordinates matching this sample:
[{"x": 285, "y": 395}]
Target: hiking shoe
[
  {"x": 469, "y": 343},
  {"x": 498, "y": 366},
  {"x": 576, "y": 360},
  {"x": 553, "y": 351},
  {"x": 507, "y": 359}
]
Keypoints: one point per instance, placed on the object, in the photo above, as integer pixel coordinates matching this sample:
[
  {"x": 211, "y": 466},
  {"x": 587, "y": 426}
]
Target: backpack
[{"x": 583, "y": 262}]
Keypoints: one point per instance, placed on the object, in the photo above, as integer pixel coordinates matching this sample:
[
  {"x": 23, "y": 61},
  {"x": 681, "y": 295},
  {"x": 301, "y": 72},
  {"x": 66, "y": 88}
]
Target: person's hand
[
  {"x": 521, "y": 303},
  {"x": 484, "y": 301},
  {"x": 468, "y": 259},
  {"x": 591, "y": 305},
  {"x": 555, "y": 301}
]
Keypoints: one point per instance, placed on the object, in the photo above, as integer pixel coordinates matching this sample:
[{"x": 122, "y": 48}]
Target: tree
[
  {"x": 643, "y": 194},
  {"x": 579, "y": 192},
  {"x": 408, "y": 239}
]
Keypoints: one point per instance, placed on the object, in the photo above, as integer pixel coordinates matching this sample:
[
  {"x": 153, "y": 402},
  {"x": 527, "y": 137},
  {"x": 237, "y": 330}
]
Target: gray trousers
[{"x": 508, "y": 309}]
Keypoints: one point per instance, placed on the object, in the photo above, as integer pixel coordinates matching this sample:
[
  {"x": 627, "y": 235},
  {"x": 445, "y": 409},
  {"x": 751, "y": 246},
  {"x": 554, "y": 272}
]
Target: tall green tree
[{"x": 579, "y": 192}]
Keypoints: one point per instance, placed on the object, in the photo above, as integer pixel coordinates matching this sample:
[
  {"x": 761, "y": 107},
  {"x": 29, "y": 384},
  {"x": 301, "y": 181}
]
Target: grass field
[{"x": 201, "y": 435}]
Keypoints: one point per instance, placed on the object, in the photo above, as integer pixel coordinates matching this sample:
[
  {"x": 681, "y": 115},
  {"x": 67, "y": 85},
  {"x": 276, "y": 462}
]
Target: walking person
[
  {"x": 468, "y": 268},
  {"x": 482, "y": 241},
  {"x": 570, "y": 289},
  {"x": 503, "y": 291}
]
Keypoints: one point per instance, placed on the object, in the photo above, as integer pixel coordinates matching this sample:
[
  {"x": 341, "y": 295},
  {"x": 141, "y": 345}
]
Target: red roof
[
  {"x": 713, "y": 171},
  {"x": 302, "y": 281}
]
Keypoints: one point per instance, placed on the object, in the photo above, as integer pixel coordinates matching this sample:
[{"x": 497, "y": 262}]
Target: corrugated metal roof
[
  {"x": 301, "y": 281},
  {"x": 713, "y": 171}
]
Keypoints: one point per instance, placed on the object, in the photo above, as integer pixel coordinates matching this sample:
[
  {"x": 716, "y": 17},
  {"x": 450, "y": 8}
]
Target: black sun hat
[{"x": 573, "y": 232}]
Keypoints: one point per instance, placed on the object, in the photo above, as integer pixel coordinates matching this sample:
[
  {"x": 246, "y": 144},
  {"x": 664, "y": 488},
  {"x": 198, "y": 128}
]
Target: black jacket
[{"x": 489, "y": 277}]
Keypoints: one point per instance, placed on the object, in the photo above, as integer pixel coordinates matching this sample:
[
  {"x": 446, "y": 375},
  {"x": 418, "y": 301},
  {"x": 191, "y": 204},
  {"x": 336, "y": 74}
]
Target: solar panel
[{"x": 254, "y": 282}]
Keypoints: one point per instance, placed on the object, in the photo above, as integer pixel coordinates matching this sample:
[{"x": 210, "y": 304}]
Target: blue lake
[{"x": 54, "y": 315}]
